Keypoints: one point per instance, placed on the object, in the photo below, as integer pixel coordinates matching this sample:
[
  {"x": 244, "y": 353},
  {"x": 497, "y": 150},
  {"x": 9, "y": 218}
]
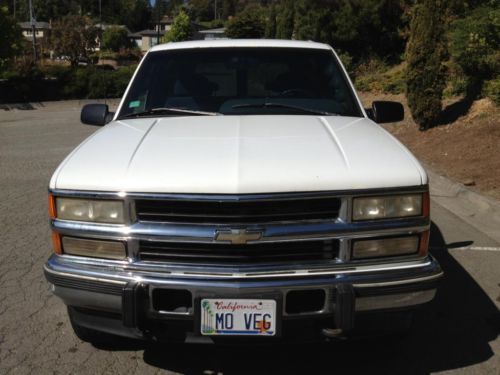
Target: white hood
[{"x": 238, "y": 155}]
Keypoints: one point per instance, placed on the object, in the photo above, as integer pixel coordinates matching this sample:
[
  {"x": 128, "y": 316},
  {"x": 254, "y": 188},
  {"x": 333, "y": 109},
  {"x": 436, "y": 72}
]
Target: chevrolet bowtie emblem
[{"x": 238, "y": 236}]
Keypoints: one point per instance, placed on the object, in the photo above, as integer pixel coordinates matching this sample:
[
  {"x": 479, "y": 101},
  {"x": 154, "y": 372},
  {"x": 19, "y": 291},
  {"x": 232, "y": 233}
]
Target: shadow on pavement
[
  {"x": 19, "y": 106},
  {"x": 452, "y": 332}
]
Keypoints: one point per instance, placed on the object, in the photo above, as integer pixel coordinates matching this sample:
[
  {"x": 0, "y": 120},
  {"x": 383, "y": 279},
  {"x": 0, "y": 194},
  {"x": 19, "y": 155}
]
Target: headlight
[
  {"x": 385, "y": 247},
  {"x": 99, "y": 211},
  {"x": 94, "y": 248},
  {"x": 385, "y": 207}
]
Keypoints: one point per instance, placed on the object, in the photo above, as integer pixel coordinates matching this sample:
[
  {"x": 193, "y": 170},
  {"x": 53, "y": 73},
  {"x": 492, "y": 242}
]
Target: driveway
[{"x": 458, "y": 333}]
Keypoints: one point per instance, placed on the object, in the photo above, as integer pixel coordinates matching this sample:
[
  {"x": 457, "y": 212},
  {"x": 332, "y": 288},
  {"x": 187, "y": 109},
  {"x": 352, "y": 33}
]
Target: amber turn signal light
[
  {"x": 426, "y": 204},
  {"x": 52, "y": 206},
  {"x": 423, "y": 247},
  {"x": 56, "y": 242}
]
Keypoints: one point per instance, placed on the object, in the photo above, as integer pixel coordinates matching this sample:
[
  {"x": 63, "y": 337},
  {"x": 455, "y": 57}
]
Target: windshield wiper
[
  {"x": 282, "y": 105},
  {"x": 170, "y": 110}
]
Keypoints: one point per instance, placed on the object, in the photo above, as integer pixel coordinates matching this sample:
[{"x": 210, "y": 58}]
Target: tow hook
[
  {"x": 343, "y": 312},
  {"x": 333, "y": 333}
]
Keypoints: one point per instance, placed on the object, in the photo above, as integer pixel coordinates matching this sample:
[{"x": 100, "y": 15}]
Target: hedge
[{"x": 60, "y": 83}]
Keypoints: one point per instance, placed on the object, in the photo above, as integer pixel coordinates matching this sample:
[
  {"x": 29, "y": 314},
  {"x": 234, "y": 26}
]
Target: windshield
[{"x": 240, "y": 81}]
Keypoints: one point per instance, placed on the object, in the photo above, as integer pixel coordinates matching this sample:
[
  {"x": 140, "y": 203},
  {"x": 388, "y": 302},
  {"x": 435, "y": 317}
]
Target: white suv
[{"x": 241, "y": 189}]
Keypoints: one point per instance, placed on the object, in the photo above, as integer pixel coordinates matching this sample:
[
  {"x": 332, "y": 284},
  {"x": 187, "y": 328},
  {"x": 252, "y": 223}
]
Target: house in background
[
  {"x": 42, "y": 29},
  {"x": 211, "y": 34},
  {"x": 42, "y": 34},
  {"x": 145, "y": 39}
]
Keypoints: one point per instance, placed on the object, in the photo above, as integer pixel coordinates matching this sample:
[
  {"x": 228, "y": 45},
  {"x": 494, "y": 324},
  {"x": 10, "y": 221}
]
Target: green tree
[
  {"x": 181, "y": 29},
  {"x": 136, "y": 17},
  {"x": 475, "y": 47},
  {"x": 73, "y": 37},
  {"x": 47, "y": 10},
  {"x": 173, "y": 7},
  {"x": 425, "y": 75},
  {"x": 247, "y": 25},
  {"x": 10, "y": 37},
  {"x": 285, "y": 19},
  {"x": 228, "y": 8},
  {"x": 115, "y": 38},
  {"x": 201, "y": 10},
  {"x": 271, "y": 23},
  {"x": 313, "y": 21}
]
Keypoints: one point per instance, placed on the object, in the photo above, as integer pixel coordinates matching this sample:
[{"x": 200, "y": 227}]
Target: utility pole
[
  {"x": 14, "y": 10},
  {"x": 158, "y": 9},
  {"x": 215, "y": 9},
  {"x": 33, "y": 30},
  {"x": 100, "y": 28}
]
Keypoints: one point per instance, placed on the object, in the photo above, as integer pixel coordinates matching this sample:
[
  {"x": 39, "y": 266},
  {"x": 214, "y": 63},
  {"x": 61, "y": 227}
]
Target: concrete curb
[{"x": 479, "y": 211}]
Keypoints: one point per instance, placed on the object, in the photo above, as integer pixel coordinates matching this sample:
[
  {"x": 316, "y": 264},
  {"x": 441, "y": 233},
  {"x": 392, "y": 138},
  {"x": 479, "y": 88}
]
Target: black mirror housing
[
  {"x": 385, "y": 111},
  {"x": 96, "y": 114}
]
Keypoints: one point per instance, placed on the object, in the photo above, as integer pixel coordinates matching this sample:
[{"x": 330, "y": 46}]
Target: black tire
[{"x": 87, "y": 334}]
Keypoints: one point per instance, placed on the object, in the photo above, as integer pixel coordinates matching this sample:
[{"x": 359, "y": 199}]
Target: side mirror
[
  {"x": 96, "y": 114},
  {"x": 384, "y": 111}
]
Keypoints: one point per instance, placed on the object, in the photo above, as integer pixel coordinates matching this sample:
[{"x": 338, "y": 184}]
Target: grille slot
[
  {"x": 227, "y": 255},
  {"x": 237, "y": 211}
]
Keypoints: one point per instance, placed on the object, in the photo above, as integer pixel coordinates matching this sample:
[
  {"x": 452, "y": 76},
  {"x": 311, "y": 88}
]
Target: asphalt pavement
[{"x": 457, "y": 333}]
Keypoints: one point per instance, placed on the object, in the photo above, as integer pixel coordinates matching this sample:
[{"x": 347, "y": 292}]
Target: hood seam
[
  {"x": 140, "y": 143},
  {"x": 334, "y": 137}
]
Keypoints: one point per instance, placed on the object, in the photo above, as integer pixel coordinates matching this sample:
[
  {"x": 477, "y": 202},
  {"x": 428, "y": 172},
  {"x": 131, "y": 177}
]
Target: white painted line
[{"x": 476, "y": 248}]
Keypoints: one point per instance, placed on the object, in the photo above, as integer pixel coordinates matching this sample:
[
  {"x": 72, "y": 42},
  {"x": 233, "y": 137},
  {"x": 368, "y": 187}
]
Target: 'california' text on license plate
[{"x": 238, "y": 317}]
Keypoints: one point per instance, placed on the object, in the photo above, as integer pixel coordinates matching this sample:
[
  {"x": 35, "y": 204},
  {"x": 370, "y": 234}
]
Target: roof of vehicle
[{"x": 221, "y": 43}]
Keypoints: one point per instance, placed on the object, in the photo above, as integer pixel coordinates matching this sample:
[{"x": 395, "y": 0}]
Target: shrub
[
  {"x": 376, "y": 76},
  {"x": 59, "y": 82},
  {"x": 115, "y": 38},
  {"x": 394, "y": 82},
  {"x": 77, "y": 85},
  {"x": 491, "y": 90},
  {"x": 95, "y": 83},
  {"x": 425, "y": 75}
]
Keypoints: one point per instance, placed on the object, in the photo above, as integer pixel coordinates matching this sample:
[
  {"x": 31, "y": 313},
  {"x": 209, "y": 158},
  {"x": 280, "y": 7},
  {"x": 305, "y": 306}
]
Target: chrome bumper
[{"x": 357, "y": 289}]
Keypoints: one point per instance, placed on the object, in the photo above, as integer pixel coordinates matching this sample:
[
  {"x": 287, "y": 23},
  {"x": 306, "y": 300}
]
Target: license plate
[{"x": 249, "y": 317}]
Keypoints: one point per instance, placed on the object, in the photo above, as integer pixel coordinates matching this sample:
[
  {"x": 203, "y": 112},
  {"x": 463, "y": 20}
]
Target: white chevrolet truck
[{"x": 240, "y": 190}]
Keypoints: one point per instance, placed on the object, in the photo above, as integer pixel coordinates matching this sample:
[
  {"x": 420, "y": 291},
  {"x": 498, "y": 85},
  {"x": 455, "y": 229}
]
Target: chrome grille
[
  {"x": 226, "y": 254},
  {"x": 237, "y": 210}
]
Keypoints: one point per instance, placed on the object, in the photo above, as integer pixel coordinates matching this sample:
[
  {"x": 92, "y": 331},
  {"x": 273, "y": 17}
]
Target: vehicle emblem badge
[{"x": 238, "y": 236}]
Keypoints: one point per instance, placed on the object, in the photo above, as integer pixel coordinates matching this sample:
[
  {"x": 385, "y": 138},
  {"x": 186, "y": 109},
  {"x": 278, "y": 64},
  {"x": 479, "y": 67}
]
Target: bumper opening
[
  {"x": 305, "y": 301},
  {"x": 172, "y": 300}
]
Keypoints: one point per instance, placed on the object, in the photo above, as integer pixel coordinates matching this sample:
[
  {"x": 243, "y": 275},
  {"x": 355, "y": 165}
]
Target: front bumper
[{"x": 120, "y": 301}]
